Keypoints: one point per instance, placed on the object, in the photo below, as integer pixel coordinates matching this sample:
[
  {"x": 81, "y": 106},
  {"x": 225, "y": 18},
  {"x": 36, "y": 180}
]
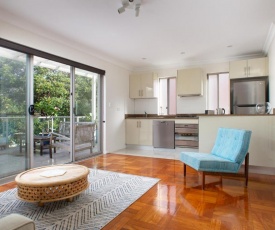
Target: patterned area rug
[{"x": 108, "y": 195}]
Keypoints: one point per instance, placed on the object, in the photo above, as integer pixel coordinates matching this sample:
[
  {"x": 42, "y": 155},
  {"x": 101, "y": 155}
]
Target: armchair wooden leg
[
  {"x": 184, "y": 170},
  {"x": 246, "y": 168},
  {"x": 203, "y": 180}
]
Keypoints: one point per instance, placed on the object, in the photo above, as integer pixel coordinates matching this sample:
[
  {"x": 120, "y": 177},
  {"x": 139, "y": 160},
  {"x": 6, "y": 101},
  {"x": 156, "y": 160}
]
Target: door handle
[{"x": 31, "y": 109}]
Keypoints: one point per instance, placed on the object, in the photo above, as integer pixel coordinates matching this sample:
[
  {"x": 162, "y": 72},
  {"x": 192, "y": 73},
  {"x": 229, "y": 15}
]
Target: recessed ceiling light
[
  {"x": 229, "y": 46},
  {"x": 143, "y": 58},
  {"x": 182, "y": 52}
]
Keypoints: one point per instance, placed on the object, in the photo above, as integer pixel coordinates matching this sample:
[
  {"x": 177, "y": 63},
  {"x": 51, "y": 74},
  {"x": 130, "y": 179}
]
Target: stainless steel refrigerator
[{"x": 245, "y": 95}]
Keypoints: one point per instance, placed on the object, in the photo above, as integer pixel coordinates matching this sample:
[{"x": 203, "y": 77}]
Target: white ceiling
[{"x": 202, "y": 29}]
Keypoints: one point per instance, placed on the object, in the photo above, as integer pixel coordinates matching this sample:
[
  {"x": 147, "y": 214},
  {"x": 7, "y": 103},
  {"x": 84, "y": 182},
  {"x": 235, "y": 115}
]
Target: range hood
[
  {"x": 190, "y": 82},
  {"x": 190, "y": 95}
]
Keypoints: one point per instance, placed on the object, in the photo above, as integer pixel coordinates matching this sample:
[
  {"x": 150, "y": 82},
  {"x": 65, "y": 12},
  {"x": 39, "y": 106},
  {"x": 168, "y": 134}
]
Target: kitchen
[{"x": 191, "y": 110}]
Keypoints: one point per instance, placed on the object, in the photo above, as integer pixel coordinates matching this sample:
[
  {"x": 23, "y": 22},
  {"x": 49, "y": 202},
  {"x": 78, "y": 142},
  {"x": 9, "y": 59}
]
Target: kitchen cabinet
[
  {"x": 257, "y": 67},
  {"x": 189, "y": 82},
  {"x": 139, "y": 132},
  {"x": 142, "y": 85}
]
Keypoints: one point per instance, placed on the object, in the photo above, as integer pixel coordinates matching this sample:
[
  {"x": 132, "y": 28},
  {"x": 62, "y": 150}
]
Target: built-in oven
[{"x": 186, "y": 135}]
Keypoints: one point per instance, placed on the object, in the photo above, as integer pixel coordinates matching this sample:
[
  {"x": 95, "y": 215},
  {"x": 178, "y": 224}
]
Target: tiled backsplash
[{"x": 149, "y": 106}]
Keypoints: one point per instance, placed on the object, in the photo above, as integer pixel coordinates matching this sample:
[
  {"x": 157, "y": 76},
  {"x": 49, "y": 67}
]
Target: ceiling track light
[
  {"x": 137, "y": 9},
  {"x": 122, "y": 9},
  {"x": 130, "y": 4}
]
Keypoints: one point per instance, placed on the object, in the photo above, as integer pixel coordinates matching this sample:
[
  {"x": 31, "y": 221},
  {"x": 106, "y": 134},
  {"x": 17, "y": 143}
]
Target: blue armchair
[{"x": 229, "y": 152}]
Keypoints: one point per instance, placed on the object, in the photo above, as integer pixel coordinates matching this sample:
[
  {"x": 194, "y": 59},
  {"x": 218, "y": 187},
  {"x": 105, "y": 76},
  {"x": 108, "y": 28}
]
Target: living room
[{"x": 117, "y": 103}]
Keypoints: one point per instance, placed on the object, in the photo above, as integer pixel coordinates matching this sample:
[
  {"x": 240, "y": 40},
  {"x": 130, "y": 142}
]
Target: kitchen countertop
[
  {"x": 186, "y": 116},
  {"x": 155, "y": 116}
]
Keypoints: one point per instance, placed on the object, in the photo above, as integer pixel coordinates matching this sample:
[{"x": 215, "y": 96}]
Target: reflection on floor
[{"x": 154, "y": 152}]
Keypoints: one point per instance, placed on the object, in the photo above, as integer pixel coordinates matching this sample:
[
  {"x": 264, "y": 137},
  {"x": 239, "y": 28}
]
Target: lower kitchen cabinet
[{"x": 139, "y": 132}]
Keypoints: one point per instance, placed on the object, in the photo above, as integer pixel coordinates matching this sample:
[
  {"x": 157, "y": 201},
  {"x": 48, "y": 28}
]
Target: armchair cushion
[
  {"x": 232, "y": 144},
  {"x": 208, "y": 162}
]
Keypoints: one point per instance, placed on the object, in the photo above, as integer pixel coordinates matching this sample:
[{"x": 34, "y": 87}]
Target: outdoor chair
[
  {"x": 229, "y": 152},
  {"x": 84, "y": 138}
]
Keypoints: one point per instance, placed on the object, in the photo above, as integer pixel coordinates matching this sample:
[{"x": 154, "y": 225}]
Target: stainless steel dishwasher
[{"x": 164, "y": 134}]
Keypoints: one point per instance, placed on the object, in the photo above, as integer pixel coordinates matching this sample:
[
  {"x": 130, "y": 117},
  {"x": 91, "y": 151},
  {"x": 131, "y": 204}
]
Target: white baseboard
[{"x": 262, "y": 170}]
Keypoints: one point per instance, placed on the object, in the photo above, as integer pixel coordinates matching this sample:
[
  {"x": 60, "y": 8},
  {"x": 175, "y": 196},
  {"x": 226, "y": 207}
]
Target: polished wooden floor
[{"x": 180, "y": 203}]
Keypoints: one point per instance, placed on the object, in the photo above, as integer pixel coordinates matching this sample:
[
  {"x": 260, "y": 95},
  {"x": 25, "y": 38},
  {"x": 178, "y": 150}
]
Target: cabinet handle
[
  {"x": 137, "y": 124},
  {"x": 141, "y": 92}
]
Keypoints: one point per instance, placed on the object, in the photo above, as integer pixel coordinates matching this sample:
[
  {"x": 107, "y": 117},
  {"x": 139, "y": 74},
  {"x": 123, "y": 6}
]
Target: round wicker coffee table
[{"x": 52, "y": 183}]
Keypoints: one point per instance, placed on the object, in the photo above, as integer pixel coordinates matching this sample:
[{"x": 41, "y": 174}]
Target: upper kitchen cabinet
[
  {"x": 257, "y": 67},
  {"x": 189, "y": 82},
  {"x": 142, "y": 85}
]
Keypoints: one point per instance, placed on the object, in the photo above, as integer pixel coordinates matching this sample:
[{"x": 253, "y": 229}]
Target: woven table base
[{"x": 33, "y": 187}]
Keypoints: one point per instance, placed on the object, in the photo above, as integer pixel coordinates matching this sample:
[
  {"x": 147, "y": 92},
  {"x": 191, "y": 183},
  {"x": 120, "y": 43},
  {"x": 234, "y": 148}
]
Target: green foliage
[
  {"x": 51, "y": 92},
  {"x": 13, "y": 87},
  {"x": 83, "y": 96}
]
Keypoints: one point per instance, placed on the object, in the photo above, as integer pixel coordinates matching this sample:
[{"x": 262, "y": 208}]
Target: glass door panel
[
  {"x": 87, "y": 114},
  {"x": 13, "y": 116},
  {"x": 52, "y": 112}
]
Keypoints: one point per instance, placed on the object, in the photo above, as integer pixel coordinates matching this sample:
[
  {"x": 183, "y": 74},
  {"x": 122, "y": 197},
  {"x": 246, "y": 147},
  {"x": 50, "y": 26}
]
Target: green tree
[
  {"x": 83, "y": 96},
  {"x": 12, "y": 86},
  {"x": 51, "y": 92}
]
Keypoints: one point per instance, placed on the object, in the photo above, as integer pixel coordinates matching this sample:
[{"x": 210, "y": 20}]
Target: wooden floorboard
[{"x": 180, "y": 203}]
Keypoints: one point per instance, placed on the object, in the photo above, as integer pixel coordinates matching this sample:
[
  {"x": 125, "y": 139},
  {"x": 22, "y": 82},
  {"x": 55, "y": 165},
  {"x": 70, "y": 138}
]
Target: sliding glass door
[
  {"x": 87, "y": 114},
  {"x": 50, "y": 109},
  {"x": 52, "y": 112},
  {"x": 14, "y": 156}
]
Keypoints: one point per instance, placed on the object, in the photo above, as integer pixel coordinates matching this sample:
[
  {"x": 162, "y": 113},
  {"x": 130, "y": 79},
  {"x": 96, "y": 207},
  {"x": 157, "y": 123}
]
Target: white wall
[
  {"x": 271, "y": 57},
  {"x": 184, "y": 104},
  {"x": 116, "y": 94}
]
